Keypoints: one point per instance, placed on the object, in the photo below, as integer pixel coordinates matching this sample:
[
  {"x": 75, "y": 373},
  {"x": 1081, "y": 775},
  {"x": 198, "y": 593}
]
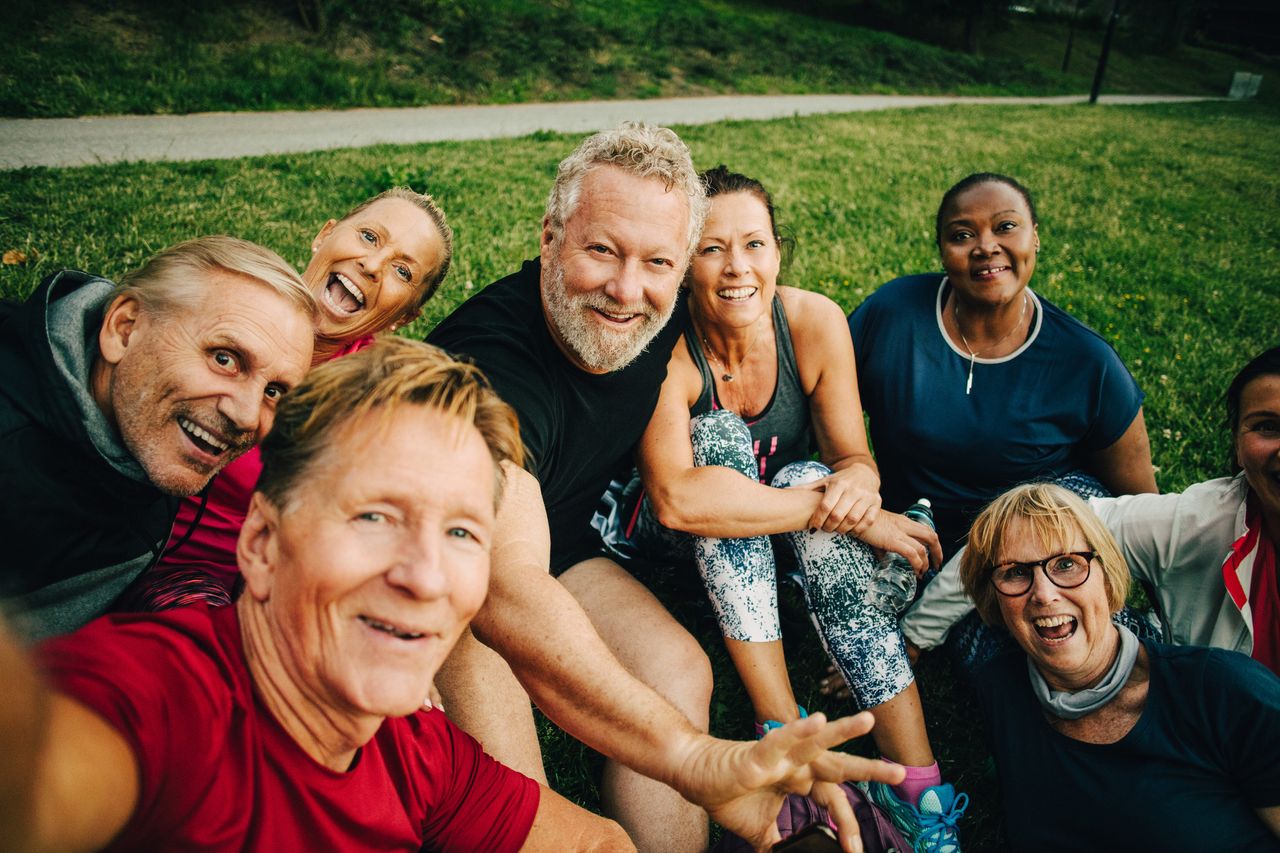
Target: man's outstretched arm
[
  {"x": 568, "y": 671},
  {"x": 68, "y": 780}
]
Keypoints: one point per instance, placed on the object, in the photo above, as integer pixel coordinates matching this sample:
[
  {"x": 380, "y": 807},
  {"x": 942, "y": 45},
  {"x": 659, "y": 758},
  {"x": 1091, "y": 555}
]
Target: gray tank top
[{"x": 781, "y": 433}]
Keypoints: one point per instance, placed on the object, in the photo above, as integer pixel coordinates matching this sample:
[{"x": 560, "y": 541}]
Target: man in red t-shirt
[{"x": 294, "y": 720}]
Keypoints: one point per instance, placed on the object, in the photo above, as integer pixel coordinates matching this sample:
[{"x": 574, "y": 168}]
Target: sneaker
[{"x": 929, "y": 826}]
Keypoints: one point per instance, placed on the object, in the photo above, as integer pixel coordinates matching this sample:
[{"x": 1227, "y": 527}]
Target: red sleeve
[
  {"x": 149, "y": 683},
  {"x": 482, "y": 805},
  {"x": 211, "y": 544}
]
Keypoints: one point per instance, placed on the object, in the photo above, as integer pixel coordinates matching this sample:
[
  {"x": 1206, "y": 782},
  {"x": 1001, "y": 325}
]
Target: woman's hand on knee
[{"x": 847, "y": 504}]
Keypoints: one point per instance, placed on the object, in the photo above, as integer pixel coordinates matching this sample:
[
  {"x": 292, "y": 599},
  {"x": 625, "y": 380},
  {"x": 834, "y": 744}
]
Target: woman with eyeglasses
[
  {"x": 1103, "y": 741},
  {"x": 1207, "y": 555}
]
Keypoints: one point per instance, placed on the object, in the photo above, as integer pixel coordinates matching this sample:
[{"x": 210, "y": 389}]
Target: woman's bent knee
[
  {"x": 722, "y": 438},
  {"x": 800, "y": 473}
]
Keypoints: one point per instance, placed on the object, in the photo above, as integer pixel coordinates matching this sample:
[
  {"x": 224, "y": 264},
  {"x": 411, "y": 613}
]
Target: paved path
[{"x": 203, "y": 136}]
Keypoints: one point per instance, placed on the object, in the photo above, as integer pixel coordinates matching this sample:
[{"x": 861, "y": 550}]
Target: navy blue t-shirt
[
  {"x": 1204, "y": 754},
  {"x": 1032, "y": 415}
]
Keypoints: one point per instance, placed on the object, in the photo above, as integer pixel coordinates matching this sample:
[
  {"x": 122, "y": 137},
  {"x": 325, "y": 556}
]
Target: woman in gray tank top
[{"x": 766, "y": 375}]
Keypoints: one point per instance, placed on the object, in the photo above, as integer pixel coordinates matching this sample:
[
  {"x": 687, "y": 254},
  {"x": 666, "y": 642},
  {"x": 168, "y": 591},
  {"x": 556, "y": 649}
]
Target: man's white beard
[{"x": 594, "y": 344}]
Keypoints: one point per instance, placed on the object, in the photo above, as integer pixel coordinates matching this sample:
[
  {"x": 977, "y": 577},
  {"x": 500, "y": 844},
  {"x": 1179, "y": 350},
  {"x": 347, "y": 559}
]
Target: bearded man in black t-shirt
[{"x": 578, "y": 342}]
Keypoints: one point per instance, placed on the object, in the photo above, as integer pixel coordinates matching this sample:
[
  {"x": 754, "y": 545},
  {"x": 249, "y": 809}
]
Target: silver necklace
[
  {"x": 955, "y": 312},
  {"x": 727, "y": 375}
]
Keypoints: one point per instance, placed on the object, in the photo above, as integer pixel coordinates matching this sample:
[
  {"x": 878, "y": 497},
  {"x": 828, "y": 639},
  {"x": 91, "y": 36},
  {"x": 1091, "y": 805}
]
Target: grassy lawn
[
  {"x": 1160, "y": 229},
  {"x": 82, "y": 57}
]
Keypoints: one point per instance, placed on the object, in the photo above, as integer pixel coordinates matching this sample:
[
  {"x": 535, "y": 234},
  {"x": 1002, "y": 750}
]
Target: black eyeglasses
[{"x": 1065, "y": 571}]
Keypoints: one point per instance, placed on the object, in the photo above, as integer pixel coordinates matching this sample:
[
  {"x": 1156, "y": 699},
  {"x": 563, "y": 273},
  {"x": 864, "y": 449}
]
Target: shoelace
[{"x": 940, "y": 827}]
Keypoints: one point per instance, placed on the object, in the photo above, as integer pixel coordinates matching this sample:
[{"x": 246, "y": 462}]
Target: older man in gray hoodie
[{"x": 115, "y": 399}]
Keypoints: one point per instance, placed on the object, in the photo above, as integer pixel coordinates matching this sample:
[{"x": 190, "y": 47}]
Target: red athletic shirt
[
  {"x": 217, "y": 772},
  {"x": 1264, "y": 602}
]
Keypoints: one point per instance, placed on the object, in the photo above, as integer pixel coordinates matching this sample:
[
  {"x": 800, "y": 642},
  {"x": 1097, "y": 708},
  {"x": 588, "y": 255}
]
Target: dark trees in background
[
  {"x": 1146, "y": 25},
  {"x": 957, "y": 24},
  {"x": 1151, "y": 26},
  {"x": 1176, "y": 25},
  {"x": 314, "y": 14},
  {"x": 972, "y": 19},
  {"x": 1251, "y": 24},
  {"x": 1158, "y": 26}
]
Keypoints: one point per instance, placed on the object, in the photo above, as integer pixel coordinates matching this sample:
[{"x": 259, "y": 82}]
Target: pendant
[{"x": 727, "y": 377}]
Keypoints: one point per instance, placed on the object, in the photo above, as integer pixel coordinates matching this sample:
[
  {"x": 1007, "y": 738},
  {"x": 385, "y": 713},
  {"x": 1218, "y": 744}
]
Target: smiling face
[
  {"x": 988, "y": 242},
  {"x": 1067, "y": 633},
  {"x": 609, "y": 281},
  {"x": 1257, "y": 443},
  {"x": 368, "y": 271},
  {"x": 735, "y": 267},
  {"x": 376, "y": 563},
  {"x": 192, "y": 389}
]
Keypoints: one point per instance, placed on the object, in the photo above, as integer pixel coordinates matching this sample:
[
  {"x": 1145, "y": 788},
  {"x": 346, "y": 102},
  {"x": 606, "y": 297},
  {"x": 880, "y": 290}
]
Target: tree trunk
[
  {"x": 1177, "y": 22},
  {"x": 973, "y": 16},
  {"x": 313, "y": 14},
  {"x": 1106, "y": 52},
  {"x": 1071, "y": 36}
]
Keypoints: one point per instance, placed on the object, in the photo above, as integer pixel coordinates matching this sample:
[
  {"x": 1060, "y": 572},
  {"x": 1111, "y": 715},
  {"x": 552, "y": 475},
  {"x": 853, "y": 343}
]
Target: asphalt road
[{"x": 203, "y": 136}]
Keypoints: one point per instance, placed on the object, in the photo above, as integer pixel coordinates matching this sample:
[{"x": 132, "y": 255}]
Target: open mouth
[
  {"x": 736, "y": 294},
  {"x": 342, "y": 295},
  {"x": 990, "y": 271},
  {"x": 202, "y": 438},
  {"x": 617, "y": 318},
  {"x": 1055, "y": 628},
  {"x": 388, "y": 628}
]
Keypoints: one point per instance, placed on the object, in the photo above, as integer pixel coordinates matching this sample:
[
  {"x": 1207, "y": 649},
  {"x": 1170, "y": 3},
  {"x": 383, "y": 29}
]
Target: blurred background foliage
[{"x": 86, "y": 57}]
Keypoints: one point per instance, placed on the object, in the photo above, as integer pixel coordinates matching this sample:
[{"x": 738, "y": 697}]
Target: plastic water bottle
[{"x": 893, "y": 583}]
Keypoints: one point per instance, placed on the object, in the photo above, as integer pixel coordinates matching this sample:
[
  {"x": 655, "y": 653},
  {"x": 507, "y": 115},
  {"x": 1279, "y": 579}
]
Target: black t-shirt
[
  {"x": 1202, "y": 757},
  {"x": 578, "y": 428}
]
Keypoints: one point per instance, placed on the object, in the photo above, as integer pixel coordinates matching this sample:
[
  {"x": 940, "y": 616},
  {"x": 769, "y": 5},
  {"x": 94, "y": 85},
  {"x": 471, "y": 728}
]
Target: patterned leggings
[{"x": 741, "y": 574}]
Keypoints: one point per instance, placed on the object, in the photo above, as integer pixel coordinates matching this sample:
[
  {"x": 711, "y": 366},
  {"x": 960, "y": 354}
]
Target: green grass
[
  {"x": 93, "y": 57},
  {"x": 1160, "y": 228}
]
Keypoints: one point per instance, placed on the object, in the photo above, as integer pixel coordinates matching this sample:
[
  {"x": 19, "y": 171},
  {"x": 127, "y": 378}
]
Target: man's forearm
[
  {"x": 570, "y": 674},
  {"x": 547, "y": 639}
]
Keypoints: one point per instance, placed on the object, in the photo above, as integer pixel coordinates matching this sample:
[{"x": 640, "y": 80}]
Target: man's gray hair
[
  {"x": 638, "y": 149},
  {"x": 174, "y": 278}
]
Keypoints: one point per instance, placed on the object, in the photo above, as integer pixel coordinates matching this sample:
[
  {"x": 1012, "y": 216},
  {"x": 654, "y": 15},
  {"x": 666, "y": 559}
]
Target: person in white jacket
[{"x": 1207, "y": 554}]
